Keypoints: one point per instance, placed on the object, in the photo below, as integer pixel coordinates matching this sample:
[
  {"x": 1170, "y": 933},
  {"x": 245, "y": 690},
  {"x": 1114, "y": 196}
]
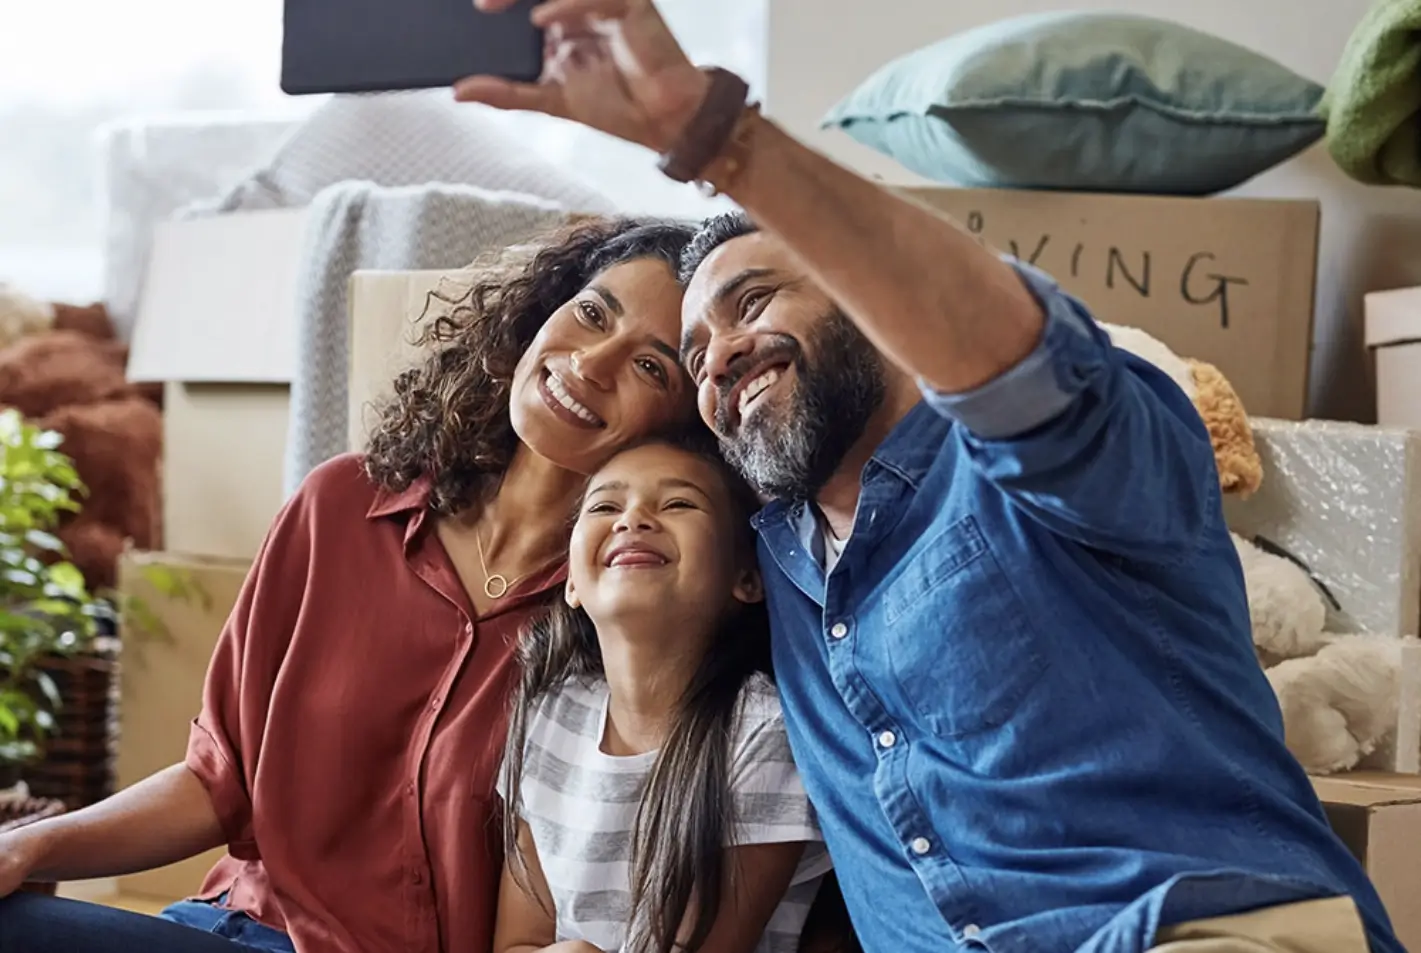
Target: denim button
[
  {"x": 921, "y": 845},
  {"x": 887, "y": 740},
  {"x": 839, "y": 630}
]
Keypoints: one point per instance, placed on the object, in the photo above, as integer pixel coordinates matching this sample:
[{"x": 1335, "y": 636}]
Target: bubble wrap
[{"x": 1345, "y": 499}]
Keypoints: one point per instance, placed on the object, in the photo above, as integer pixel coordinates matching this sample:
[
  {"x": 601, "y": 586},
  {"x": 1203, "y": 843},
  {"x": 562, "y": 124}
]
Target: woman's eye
[
  {"x": 654, "y": 368},
  {"x": 590, "y": 313}
]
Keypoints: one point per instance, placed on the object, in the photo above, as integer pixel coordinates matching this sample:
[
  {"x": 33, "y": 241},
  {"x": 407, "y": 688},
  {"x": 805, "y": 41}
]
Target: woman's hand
[
  {"x": 18, "y": 859},
  {"x": 609, "y": 64}
]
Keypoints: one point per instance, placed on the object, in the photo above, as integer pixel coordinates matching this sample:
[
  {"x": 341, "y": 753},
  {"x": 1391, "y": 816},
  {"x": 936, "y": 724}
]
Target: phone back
[{"x": 345, "y": 46}]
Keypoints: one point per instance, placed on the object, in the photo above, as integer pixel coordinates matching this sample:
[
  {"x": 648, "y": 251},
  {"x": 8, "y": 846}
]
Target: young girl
[{"x": 651, "y": 800}]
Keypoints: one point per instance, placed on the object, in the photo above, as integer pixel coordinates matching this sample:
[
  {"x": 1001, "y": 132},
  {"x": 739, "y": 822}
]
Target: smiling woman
[{"x": 367, "y": 663}]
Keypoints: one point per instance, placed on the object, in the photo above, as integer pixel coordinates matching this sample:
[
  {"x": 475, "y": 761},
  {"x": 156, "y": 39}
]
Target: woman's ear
[
  {"x": 749, "y": 588},
  {"x": 569, "y": 594}
]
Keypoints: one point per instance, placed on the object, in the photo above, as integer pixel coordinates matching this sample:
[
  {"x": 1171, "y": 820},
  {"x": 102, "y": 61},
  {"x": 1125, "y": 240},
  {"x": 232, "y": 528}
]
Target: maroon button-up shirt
[{"x": 352, "y": 728}]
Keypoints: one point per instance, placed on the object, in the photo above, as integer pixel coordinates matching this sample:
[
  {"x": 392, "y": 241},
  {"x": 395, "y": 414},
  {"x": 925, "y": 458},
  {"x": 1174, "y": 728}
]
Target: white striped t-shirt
[{"x": 580, "y": 805}]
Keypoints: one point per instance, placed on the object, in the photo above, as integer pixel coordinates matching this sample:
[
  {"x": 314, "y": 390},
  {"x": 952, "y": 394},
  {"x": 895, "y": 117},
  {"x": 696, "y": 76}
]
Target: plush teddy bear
[
  {"x": 1338, "y": 692},
  {"x": 61, "y": 367}
]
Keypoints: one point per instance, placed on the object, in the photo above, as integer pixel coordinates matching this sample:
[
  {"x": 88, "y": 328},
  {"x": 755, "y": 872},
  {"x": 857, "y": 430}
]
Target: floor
[{"x": 106, "y": 893}]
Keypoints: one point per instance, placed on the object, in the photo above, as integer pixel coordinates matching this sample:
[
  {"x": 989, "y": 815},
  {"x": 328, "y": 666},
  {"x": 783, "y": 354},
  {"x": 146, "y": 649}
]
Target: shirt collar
[{"x": 411, "y": 502}]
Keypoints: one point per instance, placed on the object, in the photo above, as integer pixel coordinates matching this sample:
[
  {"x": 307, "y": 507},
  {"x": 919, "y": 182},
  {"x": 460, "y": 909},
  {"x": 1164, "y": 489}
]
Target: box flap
[
  {"x": 1369, "y": 789},
  {"x": 219, "y": 300},
  {"x": 1392, "y": 317}
]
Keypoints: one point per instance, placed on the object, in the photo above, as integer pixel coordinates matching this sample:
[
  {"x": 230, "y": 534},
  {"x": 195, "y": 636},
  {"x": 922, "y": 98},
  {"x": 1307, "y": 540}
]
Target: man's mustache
[{"x": 782, "y": 349}]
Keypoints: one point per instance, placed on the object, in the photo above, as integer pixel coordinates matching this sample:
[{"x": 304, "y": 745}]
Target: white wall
[{"x": 1371, "y": 237}]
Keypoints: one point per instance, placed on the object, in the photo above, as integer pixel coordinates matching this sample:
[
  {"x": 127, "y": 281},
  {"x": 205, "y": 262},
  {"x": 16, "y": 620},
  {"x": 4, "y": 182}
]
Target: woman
[{"x": 354, "y": 711}]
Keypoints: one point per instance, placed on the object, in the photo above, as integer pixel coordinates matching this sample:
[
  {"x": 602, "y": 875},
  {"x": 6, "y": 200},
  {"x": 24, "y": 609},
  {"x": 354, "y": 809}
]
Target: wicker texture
[{"x": 78, "y": 763}]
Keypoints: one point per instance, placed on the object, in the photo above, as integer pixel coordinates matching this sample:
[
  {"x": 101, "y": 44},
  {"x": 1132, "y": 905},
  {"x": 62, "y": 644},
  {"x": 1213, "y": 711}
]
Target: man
[{"x": 1010, "y": 628}]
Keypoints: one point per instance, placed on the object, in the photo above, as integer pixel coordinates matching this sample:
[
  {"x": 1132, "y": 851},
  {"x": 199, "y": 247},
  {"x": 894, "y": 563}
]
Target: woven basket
[
  {"x": 17, "y": 812},
  {"x": 78, "y": 763}
]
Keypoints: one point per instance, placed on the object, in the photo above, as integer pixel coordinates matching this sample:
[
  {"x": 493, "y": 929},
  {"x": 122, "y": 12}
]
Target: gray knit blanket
[{"x": 359, "y": 225}]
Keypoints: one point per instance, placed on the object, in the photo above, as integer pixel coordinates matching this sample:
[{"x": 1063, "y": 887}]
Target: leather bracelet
[
  {"x": 724, "y": 170},
  {"x": 706, "y": 135}
]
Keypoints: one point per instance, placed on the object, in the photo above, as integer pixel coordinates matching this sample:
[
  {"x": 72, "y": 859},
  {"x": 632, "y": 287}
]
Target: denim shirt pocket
[{"x": 961, "y": 647}]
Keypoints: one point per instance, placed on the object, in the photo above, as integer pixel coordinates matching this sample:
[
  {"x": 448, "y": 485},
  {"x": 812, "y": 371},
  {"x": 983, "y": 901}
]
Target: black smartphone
[{"x": 361, "y": 46}]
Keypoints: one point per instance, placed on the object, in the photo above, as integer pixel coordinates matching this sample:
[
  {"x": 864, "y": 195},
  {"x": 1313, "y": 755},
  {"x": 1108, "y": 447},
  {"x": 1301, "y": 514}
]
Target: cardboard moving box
[
  {"x": 1378, "y": 817},
  {"x": 217, "y": 327},
  {"x": 162, "y": 678},
  {"x": 1228, "y": 281},
  {"x": 1393, "y": 320},
  {"x": 386, "y": 310}
]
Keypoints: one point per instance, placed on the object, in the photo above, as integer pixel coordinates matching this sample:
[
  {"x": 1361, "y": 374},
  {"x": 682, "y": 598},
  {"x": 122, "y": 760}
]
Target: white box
[
  {"x": 217, "y": 326},
  {"x": 1393, "y": 320}
]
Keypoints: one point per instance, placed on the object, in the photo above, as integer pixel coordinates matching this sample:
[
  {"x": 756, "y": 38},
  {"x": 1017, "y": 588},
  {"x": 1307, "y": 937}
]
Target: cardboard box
[
  {"x": 217, "y": 327},
  {"x": 162, "y": 679},
  {"x": 1378, "y": 817},
  {"x": 1228, "y": 281},
  {"x": 386, "y": 312},
  {"x": 386, "y": 309},
  {"x": 1393, "y": 320}
]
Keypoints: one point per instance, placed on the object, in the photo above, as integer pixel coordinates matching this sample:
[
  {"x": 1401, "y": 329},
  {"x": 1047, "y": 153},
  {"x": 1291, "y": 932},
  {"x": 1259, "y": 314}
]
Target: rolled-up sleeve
[
  {"x": 224, "y": 741},
  {"x": 1097, "y": 444}
]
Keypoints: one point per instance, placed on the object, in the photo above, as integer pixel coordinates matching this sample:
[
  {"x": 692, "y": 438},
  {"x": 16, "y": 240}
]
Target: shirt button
[
  {"x": 971, "y": 931},
  {"x": 469, "y": 628},
  {"x": 921, "y": 845},
  {"x": 434, "y": 704},
  {"x": 887, "y": 740},
  {"x": 409, "y": 789},
  {"x": 839, "y": 630},
  {"x": 417, "y": 877}
]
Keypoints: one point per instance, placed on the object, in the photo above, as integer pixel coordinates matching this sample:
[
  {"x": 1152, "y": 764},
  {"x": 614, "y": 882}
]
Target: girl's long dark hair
[{"x": 686, "y": 815}]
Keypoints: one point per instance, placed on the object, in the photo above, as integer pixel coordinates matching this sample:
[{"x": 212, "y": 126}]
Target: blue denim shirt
[{"x": 1026, "y": 703}]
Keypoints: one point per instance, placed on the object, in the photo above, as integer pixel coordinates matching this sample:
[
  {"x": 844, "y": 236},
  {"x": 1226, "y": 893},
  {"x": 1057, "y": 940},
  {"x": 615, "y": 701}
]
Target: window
[{"x": 66, "y": 68}]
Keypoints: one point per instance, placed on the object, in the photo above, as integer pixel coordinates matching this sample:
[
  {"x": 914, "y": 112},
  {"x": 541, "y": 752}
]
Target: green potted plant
[{"x": 46, "y": 611}]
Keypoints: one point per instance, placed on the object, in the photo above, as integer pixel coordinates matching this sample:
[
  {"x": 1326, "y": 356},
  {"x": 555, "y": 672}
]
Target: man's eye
[{"x": 751, "y": 301}]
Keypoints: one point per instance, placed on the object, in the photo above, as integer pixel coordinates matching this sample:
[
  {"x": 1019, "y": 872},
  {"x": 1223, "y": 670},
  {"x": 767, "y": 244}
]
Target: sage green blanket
[{"x": 1373, "y": 104}]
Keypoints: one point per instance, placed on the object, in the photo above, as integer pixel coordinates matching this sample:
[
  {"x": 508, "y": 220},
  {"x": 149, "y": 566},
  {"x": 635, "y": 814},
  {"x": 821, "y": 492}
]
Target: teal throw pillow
[{"x": 1085, "y": 101}]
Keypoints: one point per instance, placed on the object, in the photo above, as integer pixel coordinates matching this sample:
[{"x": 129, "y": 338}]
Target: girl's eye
[
  {"x": 602, "y": 508},
  {"x": 654, "y": 368},
  {"x": 590, "y": 314},
  {"x": 680, "y": 505}
]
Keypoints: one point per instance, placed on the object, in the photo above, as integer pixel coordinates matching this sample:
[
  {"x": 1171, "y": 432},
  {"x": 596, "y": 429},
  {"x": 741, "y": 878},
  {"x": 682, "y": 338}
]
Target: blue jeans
[{"x": 33, "y": 923}]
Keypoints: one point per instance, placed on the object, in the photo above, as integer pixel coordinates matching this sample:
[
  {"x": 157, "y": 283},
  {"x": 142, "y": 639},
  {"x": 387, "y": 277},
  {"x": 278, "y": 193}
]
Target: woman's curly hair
[{"x": 448, "y": 419}]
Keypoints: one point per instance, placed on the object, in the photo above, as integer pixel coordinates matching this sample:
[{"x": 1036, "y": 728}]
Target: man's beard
[{"x": 791, "y": 451}]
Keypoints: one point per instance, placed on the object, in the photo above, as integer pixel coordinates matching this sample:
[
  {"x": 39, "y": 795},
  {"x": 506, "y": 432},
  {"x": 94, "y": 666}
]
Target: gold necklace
[{"x": 496, "y": 585}]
